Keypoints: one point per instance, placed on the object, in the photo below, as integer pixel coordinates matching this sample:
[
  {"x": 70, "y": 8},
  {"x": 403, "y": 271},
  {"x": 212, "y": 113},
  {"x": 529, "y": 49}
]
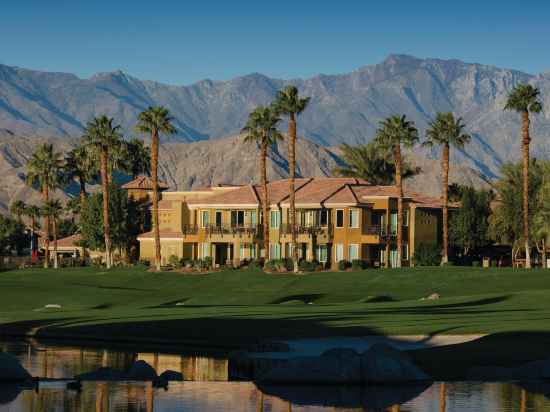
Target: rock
[
  {"x": 434, "y": 296},
  {"x": 11, "y": 369},
  {"x": 141, "y": 371},
  {"x": 52, "y": 306},
  {"x": 102, "y": 374},
  {"x": 384, "y": 364},
  {"x": 336, "y": 366},
  {"x": 169, "y": 376}
]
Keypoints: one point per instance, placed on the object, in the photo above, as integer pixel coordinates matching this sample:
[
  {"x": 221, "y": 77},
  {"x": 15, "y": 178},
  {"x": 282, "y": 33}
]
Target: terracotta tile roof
[
  {"x": 69, "y": 241},
  {"x": 163, "y": 234},
  {"x": 143, "y": 183},
  {"x": 241, "y": 195}
]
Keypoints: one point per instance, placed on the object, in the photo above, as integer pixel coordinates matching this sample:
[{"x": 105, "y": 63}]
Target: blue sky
[{"x": 180, "y": 42}]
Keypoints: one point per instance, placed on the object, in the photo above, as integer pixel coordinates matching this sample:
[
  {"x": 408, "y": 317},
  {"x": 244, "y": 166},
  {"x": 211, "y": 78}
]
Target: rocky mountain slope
[
  {"x": 344, "y": 107},
  {"x": 198, "y": 164}
]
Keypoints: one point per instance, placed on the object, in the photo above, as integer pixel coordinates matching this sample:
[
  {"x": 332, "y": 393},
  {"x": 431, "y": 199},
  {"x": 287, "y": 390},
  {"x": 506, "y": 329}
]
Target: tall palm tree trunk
[
  {"x": 105, "y": 190},
  {"x": 445, "y": 193},
  {"x": 399, "y": 185},
  {"x": 154, "y": 177},
  {"x": 263, "y": 167},
  {"x": 55, "y": 261},
  {"x": 46, "y": 198},
  {"x": 292, "y": 191},
  {"x": 544, "y": 265},
  {"x": 82, "y": 194},
  {"x": 525, "y": 149}
]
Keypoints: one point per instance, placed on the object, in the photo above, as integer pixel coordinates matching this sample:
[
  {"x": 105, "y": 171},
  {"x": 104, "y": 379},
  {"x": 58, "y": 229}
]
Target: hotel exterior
[{"x": 337, "y": 219}]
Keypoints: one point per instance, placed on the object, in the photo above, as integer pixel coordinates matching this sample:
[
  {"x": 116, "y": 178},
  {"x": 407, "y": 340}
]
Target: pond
[{"x": 208, "y": 386}]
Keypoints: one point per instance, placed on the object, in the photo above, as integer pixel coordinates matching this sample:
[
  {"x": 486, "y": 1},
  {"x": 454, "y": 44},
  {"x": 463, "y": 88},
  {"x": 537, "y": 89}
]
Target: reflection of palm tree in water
[
  {"x": 442, "y": 397},
  {"x": 395, "y": 408},
  {"x": 523, "y": 403},
  {"x": 150, "y": 398},
  {"x": 101, "y": 398},
  {"x": 259, "y": 401}
]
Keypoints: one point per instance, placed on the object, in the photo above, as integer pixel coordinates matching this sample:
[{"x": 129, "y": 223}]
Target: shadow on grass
[{"x": 298, "y": 298}]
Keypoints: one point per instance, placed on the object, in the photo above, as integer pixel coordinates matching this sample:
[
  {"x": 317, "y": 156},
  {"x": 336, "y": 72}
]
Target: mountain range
[{"x": 343, "y": 108}]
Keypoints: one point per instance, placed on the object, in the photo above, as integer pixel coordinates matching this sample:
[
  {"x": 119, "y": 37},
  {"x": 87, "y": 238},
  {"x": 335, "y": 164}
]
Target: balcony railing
[
  {"x": 234, "y": 230},
  {"x": 190, "y": 229},
  {"x": 305, "y": 230}
]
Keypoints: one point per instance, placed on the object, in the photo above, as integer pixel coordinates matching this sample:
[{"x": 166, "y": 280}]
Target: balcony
[{"x": 233, "y": 230}]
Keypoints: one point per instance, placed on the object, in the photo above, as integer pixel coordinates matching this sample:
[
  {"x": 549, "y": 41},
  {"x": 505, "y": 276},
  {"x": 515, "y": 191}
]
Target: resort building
[{"x": 337, "y": 219}]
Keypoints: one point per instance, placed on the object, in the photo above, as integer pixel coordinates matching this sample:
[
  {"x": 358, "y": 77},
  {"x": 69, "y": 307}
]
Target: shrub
[
  {"x": 427, "y": 254},
  {"x": 343, "y": 265},
  {"x": 448, "y": 264},
  {"x": 358, "y": 264},
  {"x": 97, "y": 261},
  {"x": 207, "y": 262},
  {"x": 494, "y": 263},
  {"x": 306, "y": 266},
  {"x": 145, "y": 262},
  {"x": 476, "y": 263},
  {"x": 174, "y": 262},
  {"x": 254, "y": 264}
]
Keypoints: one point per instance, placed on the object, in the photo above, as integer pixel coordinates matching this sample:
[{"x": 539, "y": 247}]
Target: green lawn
[{"x": 243, "y": 306}]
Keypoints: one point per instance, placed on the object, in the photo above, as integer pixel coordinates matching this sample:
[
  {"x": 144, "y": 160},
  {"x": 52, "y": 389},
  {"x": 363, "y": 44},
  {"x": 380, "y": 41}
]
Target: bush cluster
[{"x": 427, "y": 254}]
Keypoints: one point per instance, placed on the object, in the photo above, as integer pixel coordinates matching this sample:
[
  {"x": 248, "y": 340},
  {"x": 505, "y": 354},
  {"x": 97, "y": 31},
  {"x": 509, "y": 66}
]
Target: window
[
  {"x": 324, "y": 217},
  {"x": 253, "y": 218},
  {"x": 339, "y": 252},
  {"x": 218, "y": 216},
  {"x": 406, "y": 217},
  {"x": 353, "y": 252},
  {"x": 205, "y": 250},
  {"x": 339, "y": 218},
  {"x": 274, "y": 251},
  {"x": 252, "y": 248},
  {"x": 354, "y": 218},
  {"x": 393, "y": 223},
  {"x": 204, "y": 218},
  {"x": 322, "y": 253},
  {"x": 242, "y": 251},
  {"x": 237, "y": 218},
  {"x": 275, "y": 219},
  {"x": 405, "y": 252}
]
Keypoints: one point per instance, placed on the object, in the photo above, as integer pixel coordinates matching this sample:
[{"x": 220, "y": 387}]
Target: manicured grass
[{"x": 236, "y": 307}]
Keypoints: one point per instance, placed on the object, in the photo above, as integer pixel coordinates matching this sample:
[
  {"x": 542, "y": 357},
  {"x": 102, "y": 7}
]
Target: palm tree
[
  {"x": 137, "y": 158},
  {"x": 289, "y": 103},
  {"x": 155, "y": 120},
  {"x": 33, "y": 212},
  {"x": 541, "y": 216},
  {"x": 18, "y": 209},
  {"x": 261, "y": 128},
  {"x": 53, "y": 209},
  {"x": 392, "y": 133},
  {"x": 524, "y": 100},
  {"x": 44, "y": 170},
  {"x": 80, "y": 165},
  {"x": 101, "y": 136},
  {"x": 371, "y": 163},
  {"x": 446, "y": 131}
]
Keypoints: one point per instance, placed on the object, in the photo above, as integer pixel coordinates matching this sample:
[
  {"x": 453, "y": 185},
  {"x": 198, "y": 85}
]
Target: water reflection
[{"x": 207, "y": 388}]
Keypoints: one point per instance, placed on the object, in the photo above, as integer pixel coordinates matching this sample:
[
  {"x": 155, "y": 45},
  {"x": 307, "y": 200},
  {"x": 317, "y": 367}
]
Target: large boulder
[
  {"x": 102, "y": 374},
  {"x": 11, "y": 369},
  {"x": 384, "y": 364},
  {"x": 171, "y": 376},
  {"x": 141, "y": 371},
  {"x": 336, "y": 366}
]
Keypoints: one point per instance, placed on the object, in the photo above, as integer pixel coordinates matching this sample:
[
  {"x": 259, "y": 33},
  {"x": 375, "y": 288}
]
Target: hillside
[
  {"x": 198, "y": 164},
  {"x": 344, "y": 107}
]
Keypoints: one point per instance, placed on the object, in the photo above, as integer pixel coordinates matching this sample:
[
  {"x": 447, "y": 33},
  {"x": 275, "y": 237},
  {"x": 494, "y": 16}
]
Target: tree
[
  {"x": 506, "y": 223},
  {"x": 12, "y": 235},
  {"x": 155, "y": 120},
  {"x": 446, "y": 131},
  {"x": 541, "y": 216},
  {"x": 33, "y": 212},
  {"x": 371, "y": 163},
  {"x": 101, "y": 136},
  {"x": 44, "y": 170},
  {"x": 469, "y": 224},
  {"x": 137, "y": 158},
  {"x": 80, "y": 166},
  {"x": 18, "y": 209},
  {"x": 53, "y": 209},
  {"x": 524, "y": 100},
  {"x": 124, "y": 219},
  {"x": 392, "y": 133},
  {"x": 261, "y": 129},
  {"x": 289, "y": 103}
]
